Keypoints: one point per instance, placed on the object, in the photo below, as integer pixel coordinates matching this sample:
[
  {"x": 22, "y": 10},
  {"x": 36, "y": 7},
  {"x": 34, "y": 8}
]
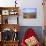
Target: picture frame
[
  {"x": 12, "y": 12},
  {"x": 29, "y": 13},
  {"x": 5, "y": 12}
]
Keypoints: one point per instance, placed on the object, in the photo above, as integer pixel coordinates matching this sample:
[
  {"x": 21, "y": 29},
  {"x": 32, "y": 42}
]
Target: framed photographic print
[
  {"x": 11, "y": 12},
  {"x": 29, "y": 13},
  {"x": 5, "y": 12}
]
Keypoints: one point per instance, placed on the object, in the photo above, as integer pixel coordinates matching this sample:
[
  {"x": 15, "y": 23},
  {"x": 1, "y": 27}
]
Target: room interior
[{"x": 17, "y": 16}]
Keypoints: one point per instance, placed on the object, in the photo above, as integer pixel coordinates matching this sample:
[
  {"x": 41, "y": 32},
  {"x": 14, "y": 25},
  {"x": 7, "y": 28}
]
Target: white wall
[
  {"x": 7, "y": 3},
  {"x": 28, "y": 4},
  {"x": 32, "y": 4}
]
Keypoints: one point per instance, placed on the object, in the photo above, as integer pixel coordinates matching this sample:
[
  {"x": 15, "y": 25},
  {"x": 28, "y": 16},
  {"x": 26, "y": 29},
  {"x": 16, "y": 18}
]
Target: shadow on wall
[{"x": 37, "y": 29}]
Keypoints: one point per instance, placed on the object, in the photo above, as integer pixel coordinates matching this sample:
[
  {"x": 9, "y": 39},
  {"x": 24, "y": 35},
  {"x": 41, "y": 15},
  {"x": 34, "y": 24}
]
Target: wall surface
[
  {"x": 7, "y": 3},
  {"x": 32, "y": 4},
  {"x": 27, "y": 4}
]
